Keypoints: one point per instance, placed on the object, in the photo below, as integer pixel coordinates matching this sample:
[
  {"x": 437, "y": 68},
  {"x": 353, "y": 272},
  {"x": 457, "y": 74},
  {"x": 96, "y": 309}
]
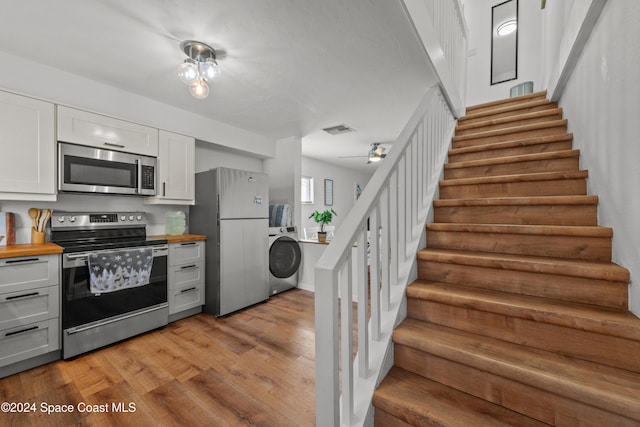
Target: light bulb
[
  {"x": 188, "y": 71},
  {"x": 209, "y": 69},
  {"x": 199, "y": 89}
]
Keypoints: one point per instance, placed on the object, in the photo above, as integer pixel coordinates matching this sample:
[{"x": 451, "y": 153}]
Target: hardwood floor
[{"x": 255, "y": 367}]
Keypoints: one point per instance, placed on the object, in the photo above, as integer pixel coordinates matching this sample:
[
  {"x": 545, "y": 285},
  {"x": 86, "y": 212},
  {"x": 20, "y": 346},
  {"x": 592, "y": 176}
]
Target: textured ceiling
[{"x": 291, "y": 67}]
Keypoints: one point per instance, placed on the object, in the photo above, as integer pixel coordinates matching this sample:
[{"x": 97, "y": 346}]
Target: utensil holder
[{"x": 37, "y": 236}]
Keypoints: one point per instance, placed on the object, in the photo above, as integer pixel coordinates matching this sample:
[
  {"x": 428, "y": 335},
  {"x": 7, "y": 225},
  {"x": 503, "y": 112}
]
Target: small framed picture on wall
[
  {"x": 328, "y": 192},
  {"x": 357, "y": 191}
]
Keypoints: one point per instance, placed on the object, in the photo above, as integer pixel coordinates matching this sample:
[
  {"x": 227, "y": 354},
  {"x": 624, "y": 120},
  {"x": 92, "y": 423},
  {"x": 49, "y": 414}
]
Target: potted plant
[{"x": 323, "y": 218}]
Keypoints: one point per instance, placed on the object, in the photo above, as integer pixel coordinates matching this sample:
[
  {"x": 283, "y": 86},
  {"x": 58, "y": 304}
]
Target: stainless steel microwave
[{"x": 87, "y": 169}]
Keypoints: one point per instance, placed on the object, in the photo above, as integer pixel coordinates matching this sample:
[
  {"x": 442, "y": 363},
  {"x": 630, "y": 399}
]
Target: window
[{"x": 307, "y": 190}]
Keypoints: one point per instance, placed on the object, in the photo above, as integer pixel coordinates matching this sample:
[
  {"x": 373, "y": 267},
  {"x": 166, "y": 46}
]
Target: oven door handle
[
  {"x": 76, "y": 256},
  {"x": 86, "y": 254},
  {"x": 160, "y": 248}
]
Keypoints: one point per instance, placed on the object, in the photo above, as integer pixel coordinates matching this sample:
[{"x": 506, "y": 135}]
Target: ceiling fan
[{"x": 375, "y": 154}]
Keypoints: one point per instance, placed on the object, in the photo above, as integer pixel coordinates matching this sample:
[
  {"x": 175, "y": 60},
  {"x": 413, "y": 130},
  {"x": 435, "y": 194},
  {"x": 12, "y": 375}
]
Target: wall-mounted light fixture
[{"x": 199, "y": 68}]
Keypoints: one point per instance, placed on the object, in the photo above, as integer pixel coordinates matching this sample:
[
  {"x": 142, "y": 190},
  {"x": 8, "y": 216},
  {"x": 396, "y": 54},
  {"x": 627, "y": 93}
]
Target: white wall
[
  {"x": 343, "y": 200},
  {"x": 211, "y": 156},
  {"x": 555, "y": 17},
  {"x": 87, "y": 202},
  {"x": 33, "y": 79},
  {"x": 602, "y": 103},
  {"x": 284, "y": 175},
  {"x": 478, "y": 16},
  {"x": 344, "y": 181}
]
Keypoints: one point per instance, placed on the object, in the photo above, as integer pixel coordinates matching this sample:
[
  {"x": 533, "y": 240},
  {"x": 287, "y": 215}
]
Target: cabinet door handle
[
  {"x": 188, "y": 290},
  {"x": 8, "y": 334},
  {"x": 188, "y": 267},
  {"x": 164, "y": 189},
  {"x": 110, "y": 144},
  {"x": 16, "y": 261},
  {"x": 32, "y": 294}
]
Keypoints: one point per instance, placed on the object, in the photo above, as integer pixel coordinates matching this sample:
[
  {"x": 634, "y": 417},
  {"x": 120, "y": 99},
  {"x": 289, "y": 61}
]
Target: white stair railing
[
  {"x": 394, "y": 207},
  {"x": 441, "y": 28}
]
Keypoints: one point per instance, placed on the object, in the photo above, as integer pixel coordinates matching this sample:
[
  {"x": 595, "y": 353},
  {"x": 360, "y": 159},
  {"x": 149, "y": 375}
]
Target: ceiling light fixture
[
  {"x": 376, "y": 153},
  {"x": 507, "y": 28},
  {"x": 199, "y": 68}
]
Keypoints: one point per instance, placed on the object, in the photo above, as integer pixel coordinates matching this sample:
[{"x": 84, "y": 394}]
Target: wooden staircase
[{"x": 518, "y": 316}]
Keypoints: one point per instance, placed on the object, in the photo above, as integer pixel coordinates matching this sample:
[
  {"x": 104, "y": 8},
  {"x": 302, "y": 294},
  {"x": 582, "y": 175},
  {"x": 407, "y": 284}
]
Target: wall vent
[{"x": 339, "y": 129}]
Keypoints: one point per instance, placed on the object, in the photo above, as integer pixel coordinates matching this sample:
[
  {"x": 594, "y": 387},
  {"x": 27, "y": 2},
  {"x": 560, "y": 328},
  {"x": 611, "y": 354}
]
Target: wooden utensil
[
  {"x": 47, "y": 215},
  {"x": 33, "y": 213}
]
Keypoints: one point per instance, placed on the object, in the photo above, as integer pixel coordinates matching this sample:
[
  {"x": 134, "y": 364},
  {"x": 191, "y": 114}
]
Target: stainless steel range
[{"x": 114, "y": 279}]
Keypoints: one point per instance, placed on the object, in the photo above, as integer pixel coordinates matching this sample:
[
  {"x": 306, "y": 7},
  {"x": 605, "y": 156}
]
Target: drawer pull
[
  {"x": 16, "y": 261},
  {"x": 188, "y": 267},
  {"x": 32, "y": 294},
  {"x": 188, "y": 290},
  {"x": 8, "y": 334},
  {"x": 188, "y": 244}
]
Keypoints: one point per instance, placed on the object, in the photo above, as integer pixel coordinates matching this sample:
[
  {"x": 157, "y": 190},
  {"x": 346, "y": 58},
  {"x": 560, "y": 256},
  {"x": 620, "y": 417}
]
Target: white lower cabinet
[
  {"x": 29, "y": 312},
  {"x": 24, "y": 342},
  {"x": 186, "y": 279}
]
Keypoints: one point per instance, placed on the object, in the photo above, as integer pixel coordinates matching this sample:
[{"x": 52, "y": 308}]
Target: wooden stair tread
[
  {"x": 585, "y": 317},
  {"x": 514, "y": 143},
  {"x": 519, "y": 201},
  {"x": 420, "y": 401},
  {"x": 611, "y": 389},
  {"x": 535, "y": 176},
  {"x": 590, "y": 243},
  {"x": 510, "y": 130},
  {"x": 516, "y": 298},
  {"x": 514, "y": 99},
  {"x": 506, "y": 109},
  {"x": 509, "y": 119},
  {"x": 573, "y": 231},
  {"x": 514, "y": 159},
  {"x": 544, "y": 265}
]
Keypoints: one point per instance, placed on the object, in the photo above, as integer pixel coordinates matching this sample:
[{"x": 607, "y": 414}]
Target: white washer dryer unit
[{"x": 285, "y": 256}]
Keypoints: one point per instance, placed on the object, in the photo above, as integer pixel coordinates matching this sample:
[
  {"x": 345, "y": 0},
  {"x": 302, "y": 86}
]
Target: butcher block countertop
[
  {"x": 179, "y": 238},
  {"x": 28, "y": 249}
]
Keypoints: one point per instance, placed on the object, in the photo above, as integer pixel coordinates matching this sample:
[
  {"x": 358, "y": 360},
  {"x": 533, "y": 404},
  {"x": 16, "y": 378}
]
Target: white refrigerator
[{"x": 232, "y": 210}]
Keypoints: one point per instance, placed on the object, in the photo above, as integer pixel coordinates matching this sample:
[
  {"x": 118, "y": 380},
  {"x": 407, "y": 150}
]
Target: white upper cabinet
[
  {"x": 82, "y": 127},
  {"x": 176, "y": 170},
  {"x": 28, "y": 146}
]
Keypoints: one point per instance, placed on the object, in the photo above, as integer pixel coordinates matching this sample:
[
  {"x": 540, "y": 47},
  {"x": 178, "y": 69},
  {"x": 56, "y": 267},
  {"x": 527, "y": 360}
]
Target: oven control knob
[
  {"x": 72, "y": 219},
  {"x": 123, "y": 217},
  {"x": 130, "y": 217},
  {"x": 61, "y": 219},
  {"x": 139, "y": 217}
]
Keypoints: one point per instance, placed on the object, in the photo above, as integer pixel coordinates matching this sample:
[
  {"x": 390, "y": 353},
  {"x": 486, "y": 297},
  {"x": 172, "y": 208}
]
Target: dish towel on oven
[{"x": 120, "y": 269}]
